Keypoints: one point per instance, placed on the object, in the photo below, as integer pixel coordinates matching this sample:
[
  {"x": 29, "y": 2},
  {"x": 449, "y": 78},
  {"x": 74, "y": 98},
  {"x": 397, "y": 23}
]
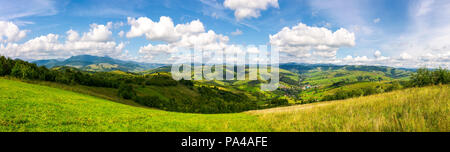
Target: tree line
[
  {"x": 66, "y": 75},
  {"x": 211, "y": 100},
  {"x": 422, "y": 77},
  {"x": 425, "y": 77}
]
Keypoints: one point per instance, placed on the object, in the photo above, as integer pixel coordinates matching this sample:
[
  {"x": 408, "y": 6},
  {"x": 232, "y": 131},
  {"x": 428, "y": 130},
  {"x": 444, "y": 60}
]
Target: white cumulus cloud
[
  {"x": 98, "y": 33},
  {"x": 9, "y": 32},
  {"x": 163, "y": 30},
  {"x": 249, "y": 8},
  {"x": 121, "y": 33},
  {"x": 302, "y": 40},
  {"x": 97, "y": 41},
  {"x": 377, "y": 54},
  {"x": 191, "y": 35}
]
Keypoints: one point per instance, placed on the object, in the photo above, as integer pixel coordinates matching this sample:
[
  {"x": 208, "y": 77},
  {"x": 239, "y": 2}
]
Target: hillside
[
  {"x": 299, "y": 83},
  {"x": 305, "y": 83},
  {"x": 30, "y": 107},
  {"x": 411, "y": 110},
  {"x": 307, "y": 68}
]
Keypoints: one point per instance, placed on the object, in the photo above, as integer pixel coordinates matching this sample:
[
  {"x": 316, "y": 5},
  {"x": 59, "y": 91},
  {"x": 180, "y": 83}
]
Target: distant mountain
[
  {"x": 307, "y": 68},
  {"x": 302, "y": 68},
  {"x": 97, "y": 64},
  {"x": 47, "y": 63}
]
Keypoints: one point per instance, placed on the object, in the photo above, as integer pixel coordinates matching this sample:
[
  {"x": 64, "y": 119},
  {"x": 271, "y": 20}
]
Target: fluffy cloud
[
  {"x": 405, "y": 56},
  {"x": 377, "y": 54},
  {"x": 97, "y": 41},
  {"x": 206, "y": 41},
  {"x": 150, "y": 51},
  {"x": 164, "y": 30},
  {"x": 304, "y": 41},
  {"x": 191, "y": 35},
  {"x": 405, "y": 60},
  {"x": 249, "y": 8},
  {"x": 9, "y": 32},
  {"x": 424, "y": 43},
  {"x": 72, "y": 35},
  {"x": 98, "y": 33},
  {"x": 193, "y": 27},
  {"x": 121, "y": 33},
  {"x": 379, "y": 57},
  {"x": 361, "y": 59}
]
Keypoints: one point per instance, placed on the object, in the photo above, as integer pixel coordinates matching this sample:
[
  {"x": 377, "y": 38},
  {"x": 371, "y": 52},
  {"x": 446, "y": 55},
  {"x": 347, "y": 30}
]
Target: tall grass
[
  {"x": 411, "y": 110},
  {"x": 30, "y": 107}
]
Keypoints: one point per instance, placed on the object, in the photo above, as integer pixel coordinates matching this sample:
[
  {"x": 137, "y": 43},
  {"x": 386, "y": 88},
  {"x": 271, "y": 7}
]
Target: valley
[
  {"x": 32, "y": 107},
  {"x": 310, "y": 97}
]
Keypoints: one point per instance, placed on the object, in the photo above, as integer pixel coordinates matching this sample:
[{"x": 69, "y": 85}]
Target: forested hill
[
  {"x": 159, "y": 90},
  {"x": 306, "y": 68},
  {"x": 105, "y": 64},
  {"x": 98, "y": 64}
]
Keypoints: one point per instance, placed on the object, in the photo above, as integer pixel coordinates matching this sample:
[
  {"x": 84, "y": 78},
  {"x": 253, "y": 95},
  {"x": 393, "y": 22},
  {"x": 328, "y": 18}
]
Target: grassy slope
[
  {"x": 416, "y": 109},
  {"x": 28, "y": 107},
  {"x": 101, "y": 92},
  {"x": 322, "y": 92},
  {"x": 328, "y": 77}
]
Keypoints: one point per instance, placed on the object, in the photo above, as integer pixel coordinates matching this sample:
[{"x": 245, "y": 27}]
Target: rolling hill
[
  {"x": 31, "y": 107},
  {"x": 308, "y": 83},
  {"x": 98, "y": 64},
  {"x": 307, "y": 68},
  {"x": 159, "y": 90}
]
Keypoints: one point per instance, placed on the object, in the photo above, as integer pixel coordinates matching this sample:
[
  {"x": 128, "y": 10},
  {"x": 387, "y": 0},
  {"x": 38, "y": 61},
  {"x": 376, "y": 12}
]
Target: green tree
[
  {"x": 425, "y": 77},
  {"x": 422, "y": 77},
  {"x": 126, "y": 91},
  {"x": 279, "y": 102},
  {"x": 20, "y": 70},
  {"x": 441, "y": 76},
  {"x": 6, "y": 65},
  {"x": 2, "y": 71}
]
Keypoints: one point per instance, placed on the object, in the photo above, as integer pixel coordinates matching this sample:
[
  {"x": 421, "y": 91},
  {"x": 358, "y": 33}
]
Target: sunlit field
[
  {"x": 418, "y": 109},
  {"x": 30, "y": 107}
]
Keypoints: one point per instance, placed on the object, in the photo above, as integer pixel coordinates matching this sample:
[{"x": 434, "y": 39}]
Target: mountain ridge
[{"x": 98, "y": 64}]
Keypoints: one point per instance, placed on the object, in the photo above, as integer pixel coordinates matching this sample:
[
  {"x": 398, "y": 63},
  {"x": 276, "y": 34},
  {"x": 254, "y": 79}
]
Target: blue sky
[{"x": 400, "y": 33}]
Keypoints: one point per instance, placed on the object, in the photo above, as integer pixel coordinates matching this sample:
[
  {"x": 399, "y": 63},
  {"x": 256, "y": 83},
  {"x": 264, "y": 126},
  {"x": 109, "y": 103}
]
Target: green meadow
[
  {"x": 424, "y": 109},
  {"x": 31, "y": 107}
]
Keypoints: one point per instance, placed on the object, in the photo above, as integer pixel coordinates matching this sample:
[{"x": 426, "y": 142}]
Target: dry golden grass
[{"x": 417, "y": 109}]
